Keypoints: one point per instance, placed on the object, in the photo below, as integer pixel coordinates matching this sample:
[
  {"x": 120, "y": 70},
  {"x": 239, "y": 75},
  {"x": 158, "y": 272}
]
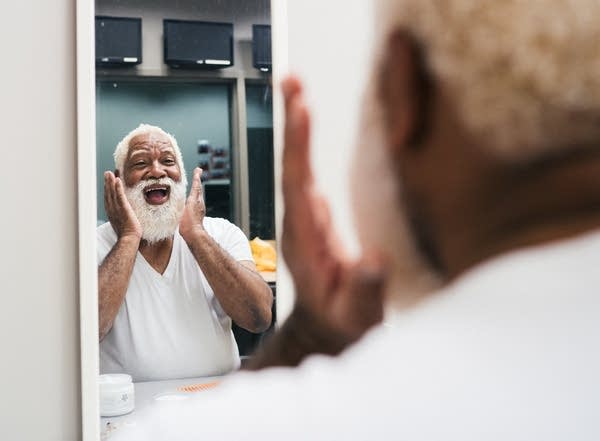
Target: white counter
[{"x": 152, "y": 393}]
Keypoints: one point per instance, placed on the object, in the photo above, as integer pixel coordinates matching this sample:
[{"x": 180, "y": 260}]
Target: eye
[
  {"x": 169, "y": 161},
  {"x": 138, "y": 164}
]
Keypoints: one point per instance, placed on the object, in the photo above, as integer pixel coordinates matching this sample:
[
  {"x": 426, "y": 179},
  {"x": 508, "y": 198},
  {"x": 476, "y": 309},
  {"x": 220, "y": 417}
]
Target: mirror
[{"x": 219, "y": 110}]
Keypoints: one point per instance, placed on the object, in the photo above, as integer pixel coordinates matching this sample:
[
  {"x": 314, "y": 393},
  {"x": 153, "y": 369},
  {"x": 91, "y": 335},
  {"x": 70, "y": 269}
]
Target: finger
[
  {"x": 196, "y": 191},
  {"x": 106, "y": 198},
  {"x": 120, "y": 192},
  {"x": 290, "y": 84},
  {"x": 123, "y": 203},
  {"x": 110, "y": 191},
  {"x": 200, "y": 186},
  {"x": 296, "y": 153},
  {"x": 296, "y": 137},
  {"x": 297, "y": 179}
]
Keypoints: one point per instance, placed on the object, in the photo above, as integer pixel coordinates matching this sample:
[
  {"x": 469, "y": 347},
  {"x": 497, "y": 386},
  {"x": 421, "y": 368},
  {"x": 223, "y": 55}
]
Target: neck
[
  {"x": 546, "y": 200},
  {"x": 157, "y": 254}
]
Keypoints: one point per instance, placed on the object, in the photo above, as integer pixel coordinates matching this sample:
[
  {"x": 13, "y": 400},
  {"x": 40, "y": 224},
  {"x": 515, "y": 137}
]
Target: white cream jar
[{"x": 117, "y": 395}]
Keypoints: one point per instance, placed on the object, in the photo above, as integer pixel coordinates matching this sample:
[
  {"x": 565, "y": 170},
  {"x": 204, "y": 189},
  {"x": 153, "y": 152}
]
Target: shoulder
[
  {"x": 106, "y": 232},
  {"x": 229, "y": 236},
  {"x": 222, "y": 230},
  {"x": 218, "y": 225},
  {"x": 105, "y": 240}
]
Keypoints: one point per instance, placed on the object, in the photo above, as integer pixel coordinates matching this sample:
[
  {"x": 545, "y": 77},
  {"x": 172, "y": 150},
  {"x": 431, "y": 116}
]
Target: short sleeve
[
  {"x": 105, "y": 241},
  {"x": 229, "y": 237}
]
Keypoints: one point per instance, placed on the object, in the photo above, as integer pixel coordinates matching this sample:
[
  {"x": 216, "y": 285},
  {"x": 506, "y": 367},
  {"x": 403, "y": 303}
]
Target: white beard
[
  {"x": 380, "y": 213},
  {"x": 158, "y": 222}
]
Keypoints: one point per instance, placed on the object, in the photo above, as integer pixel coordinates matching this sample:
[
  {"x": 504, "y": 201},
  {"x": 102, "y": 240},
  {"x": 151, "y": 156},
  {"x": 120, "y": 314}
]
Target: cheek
[
  {"x": 175, "y": 174},
  {"x": 130, "y": 179}
]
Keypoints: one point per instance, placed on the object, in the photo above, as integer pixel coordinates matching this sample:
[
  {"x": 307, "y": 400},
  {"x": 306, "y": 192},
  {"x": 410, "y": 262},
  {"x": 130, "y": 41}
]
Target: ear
[{"x": 404, "y": 91}]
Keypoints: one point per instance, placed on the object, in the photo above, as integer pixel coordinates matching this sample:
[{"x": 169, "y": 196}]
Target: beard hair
[
  {"x": 158, "y": 222},
  {"x": 380, "y": 211}
]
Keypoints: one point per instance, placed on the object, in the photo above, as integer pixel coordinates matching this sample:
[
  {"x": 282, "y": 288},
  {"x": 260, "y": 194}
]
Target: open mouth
[{"x": 157, "y": 194}]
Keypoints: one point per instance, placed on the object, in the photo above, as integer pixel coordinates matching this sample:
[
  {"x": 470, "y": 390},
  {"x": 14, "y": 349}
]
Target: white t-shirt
[
  {"x": 510, "y": 351},
  {"x": 172, "y": 325}
]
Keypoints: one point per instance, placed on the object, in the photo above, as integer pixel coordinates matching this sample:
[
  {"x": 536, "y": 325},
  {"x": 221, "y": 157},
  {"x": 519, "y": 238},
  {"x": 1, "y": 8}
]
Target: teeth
[{"x": 155, "y": 188}]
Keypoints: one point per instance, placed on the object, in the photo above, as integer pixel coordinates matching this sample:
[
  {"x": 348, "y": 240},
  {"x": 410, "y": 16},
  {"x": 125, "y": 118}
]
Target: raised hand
[
  {"x": 331, "y": 288},
  {"x": 195, "y": 209},
  {"x": 119, "y": 211}
]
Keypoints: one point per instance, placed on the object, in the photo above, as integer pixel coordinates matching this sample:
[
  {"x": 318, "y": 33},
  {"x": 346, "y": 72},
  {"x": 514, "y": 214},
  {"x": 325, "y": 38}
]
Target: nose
[{"x": 156, "y": 170}]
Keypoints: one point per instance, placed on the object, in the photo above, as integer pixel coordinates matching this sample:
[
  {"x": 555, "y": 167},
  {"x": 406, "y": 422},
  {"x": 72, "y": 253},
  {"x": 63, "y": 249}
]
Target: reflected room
[{"x": 201, "y": 71}]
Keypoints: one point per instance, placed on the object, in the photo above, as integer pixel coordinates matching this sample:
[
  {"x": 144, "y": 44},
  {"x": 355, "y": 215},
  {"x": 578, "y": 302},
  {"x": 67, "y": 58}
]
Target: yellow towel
[{"x": 264, "y": 255}]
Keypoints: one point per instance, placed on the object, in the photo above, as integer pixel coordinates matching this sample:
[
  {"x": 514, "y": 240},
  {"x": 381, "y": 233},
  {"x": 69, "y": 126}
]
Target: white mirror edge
[
  {"x": 86, "y": 181},
  {"x": 279, "y": 26}
]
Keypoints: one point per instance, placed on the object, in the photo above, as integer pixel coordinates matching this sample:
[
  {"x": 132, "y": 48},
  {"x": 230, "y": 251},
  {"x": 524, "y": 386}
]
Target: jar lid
[{"x": 116, "y": 379}]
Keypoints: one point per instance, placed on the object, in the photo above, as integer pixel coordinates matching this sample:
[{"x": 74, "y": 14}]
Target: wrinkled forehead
[{"x": 147, "y": 142}]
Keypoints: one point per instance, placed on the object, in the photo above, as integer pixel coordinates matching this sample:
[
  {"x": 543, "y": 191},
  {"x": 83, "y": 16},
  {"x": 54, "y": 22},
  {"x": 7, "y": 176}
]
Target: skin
[
  {"x": 337, "y": 298},
  {"x": 241, "y": 291},
  {"x": 465, "y": 206},
  {"x": 488, "y": 205}
]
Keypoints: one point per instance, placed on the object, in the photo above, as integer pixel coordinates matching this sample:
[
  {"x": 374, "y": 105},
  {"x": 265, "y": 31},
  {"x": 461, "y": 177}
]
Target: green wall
[
  {"x": 189, "y": 111},
  {"x": 259, "y": 106}
]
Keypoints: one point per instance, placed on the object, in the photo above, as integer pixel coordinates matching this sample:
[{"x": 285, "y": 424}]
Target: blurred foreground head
[{"x": 481, "y": 132}]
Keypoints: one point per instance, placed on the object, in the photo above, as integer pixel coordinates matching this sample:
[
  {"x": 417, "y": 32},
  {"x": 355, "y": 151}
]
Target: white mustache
[
  {"x": 168, "y": 182},
  {"x": 158, "y": 222}
]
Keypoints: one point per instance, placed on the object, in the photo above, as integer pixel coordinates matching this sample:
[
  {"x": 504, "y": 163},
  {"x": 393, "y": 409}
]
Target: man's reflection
[{"x": 170, "y": 279}]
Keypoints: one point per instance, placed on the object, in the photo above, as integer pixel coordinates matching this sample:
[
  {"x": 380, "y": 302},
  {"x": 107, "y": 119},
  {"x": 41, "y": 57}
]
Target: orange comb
[{"x": 197, "y": 387}]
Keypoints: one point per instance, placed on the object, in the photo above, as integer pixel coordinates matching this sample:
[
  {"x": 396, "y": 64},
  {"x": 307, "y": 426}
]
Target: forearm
[
  {"x": 113, "y": 279},
  {"x": 301, "y": 335},
  {"x": 241, "y": 291}
]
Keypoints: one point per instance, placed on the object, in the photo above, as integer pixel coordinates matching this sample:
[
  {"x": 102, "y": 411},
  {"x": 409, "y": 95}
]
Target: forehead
[{"x": 147, "y": 142}]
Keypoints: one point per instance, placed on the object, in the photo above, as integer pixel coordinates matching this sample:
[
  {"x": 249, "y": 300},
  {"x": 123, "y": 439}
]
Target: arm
[
  {"x": 115, "y": 270},
  {"x": 337, "y": 298},
  {"x": 241, "y": 291}
]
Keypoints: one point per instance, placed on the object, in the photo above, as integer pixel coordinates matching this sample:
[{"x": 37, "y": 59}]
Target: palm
[{"x": 118, "y": 209}]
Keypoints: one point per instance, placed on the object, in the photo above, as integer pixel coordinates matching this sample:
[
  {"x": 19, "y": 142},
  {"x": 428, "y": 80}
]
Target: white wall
[
  {"x": 39, "y": 315},
  {"x": 329, "y": 44}
]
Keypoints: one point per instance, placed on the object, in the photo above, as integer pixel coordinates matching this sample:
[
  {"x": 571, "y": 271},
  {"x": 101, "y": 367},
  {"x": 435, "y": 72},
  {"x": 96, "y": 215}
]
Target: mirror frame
[{"x": 87, "y": 204}]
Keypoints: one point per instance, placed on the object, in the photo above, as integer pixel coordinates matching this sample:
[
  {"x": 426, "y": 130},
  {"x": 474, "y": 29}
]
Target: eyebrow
[{"x": 140, "y": 149}]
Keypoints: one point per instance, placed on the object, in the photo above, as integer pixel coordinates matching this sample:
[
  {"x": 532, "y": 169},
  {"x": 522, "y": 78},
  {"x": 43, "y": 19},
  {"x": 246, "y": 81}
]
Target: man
[
  {"x": 170, "y": 279},
  {"x": 484, "y": 119}
]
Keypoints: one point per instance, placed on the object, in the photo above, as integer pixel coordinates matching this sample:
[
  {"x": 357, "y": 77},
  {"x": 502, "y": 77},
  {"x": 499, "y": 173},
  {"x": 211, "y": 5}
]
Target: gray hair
[{"x": 525, "y": 74}]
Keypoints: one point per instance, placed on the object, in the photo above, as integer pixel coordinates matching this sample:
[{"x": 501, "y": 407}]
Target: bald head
[{"x": 524, "y": 74}]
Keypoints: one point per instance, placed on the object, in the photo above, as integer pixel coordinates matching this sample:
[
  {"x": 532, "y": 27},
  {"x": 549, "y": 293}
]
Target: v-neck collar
[{"x": 167, "y": 274}]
